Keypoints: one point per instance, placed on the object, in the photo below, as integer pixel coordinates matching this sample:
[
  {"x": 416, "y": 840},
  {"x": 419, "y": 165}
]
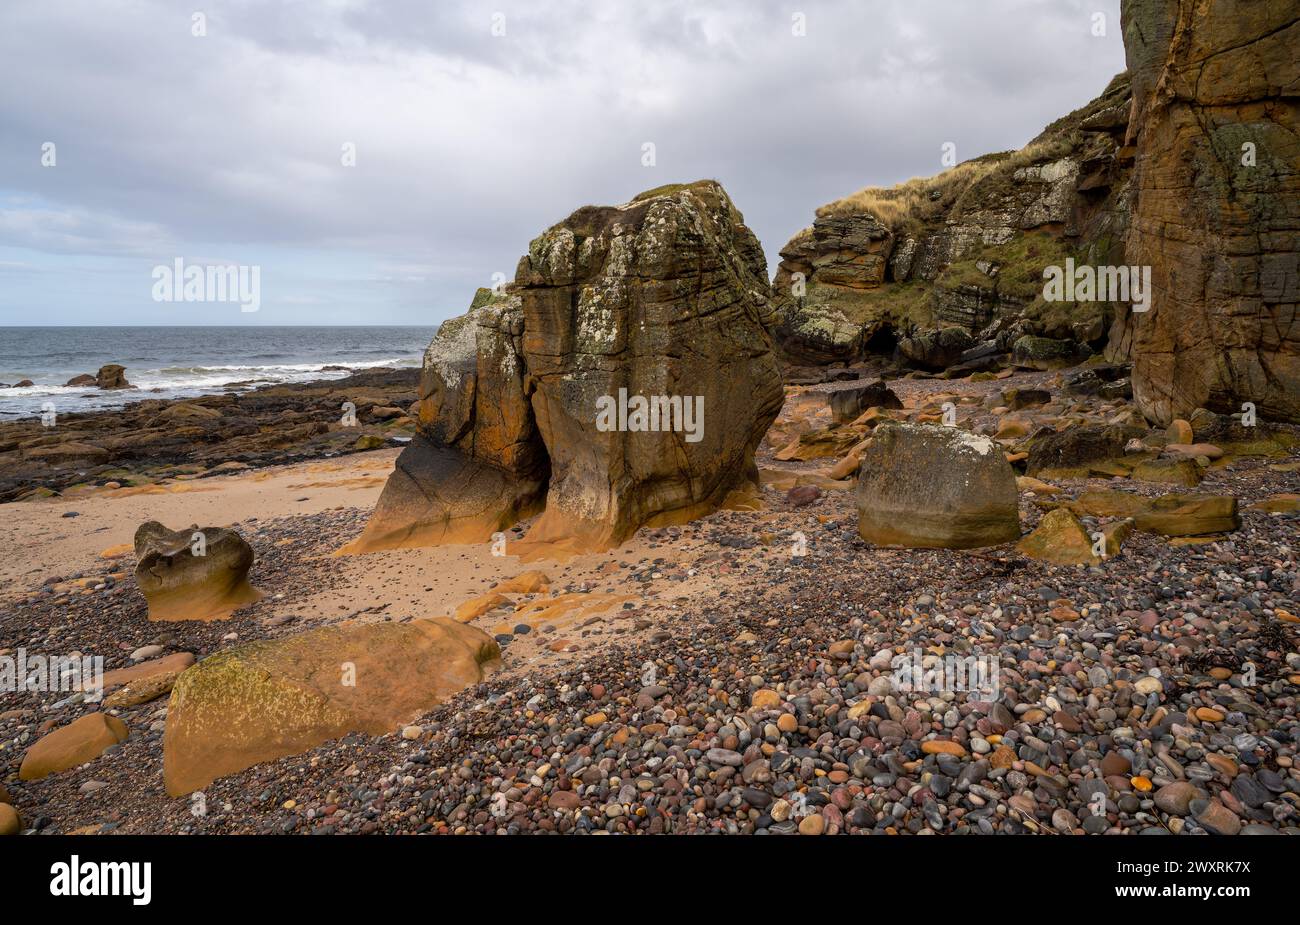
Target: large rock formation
[
  {"x": 194, "y": 574},
  {"x": 1216, "y": 205},
  {"x": 1187, "y": 165},
  {"x": 927, "y": 486},
  {"x": 624, "y": 379},
  {"x": 664, "y": 297},
  {"x": 273, "y": 698},
  {"x": 965, "y": 249},
  {"x": 477, "y": 464}
]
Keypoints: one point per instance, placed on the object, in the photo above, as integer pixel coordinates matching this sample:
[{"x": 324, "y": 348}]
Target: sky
[{"x": 378, "y": 160}]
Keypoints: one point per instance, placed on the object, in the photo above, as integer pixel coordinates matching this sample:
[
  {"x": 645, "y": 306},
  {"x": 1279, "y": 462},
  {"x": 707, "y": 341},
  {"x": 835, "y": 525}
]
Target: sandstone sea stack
[
  {"x": 1216, "y": 206},
  {"x": 663, "y": 300}
]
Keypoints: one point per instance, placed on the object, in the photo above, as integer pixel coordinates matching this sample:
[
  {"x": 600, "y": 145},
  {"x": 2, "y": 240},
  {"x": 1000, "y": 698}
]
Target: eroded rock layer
[
  {"x": 963, "y": 250},
  {"x": 624, "y": 379},
  {"x": 1216, "y": 205}
]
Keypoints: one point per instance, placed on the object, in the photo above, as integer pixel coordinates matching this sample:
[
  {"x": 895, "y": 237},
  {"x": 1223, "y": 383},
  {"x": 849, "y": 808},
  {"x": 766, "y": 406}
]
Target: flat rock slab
[
  {"x": 1177, "y": 514},
  {"x": 274, "y": 698},
  {"x": 73, "y": 745}
]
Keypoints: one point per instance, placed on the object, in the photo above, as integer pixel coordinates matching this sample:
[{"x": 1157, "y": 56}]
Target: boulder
[
  {"x": 1215, "y": 212},
  {"x": 272, "y": 698},
  {"x": 1019, "y": 399},
  {"x": 167, "y": 665},
  {"x": 142, "y": 690},
  {"x": 1179, "y": 431},
  {"x": 83, "y": 380},
  {"x": 624, "y": 379},
  {"x": 1184, "y": 472},
  {"x": 1170, "y": 515},
  {"x": 1235, "y": 438},
  {"x": 925, "y": 486},
  {"x": 1060, "y": 539},
  {"x": 72, "y": 745},
  {"x": 1074, "y": 450},
  {"x": 1083, "y": 382},
  {"x": 530, "y": 582},
  {"x": 10, "y": 822},
  {"x": 1189, "y": 515},
  {"x": 935, "y": 350},
  {"x": 1033, "y": 352},
  {"x": 847, "y": 404},
  {"x": 1116, "y": 390},
  {"x": 112, "y": 376},
  {"x": 185, "y": 578}
]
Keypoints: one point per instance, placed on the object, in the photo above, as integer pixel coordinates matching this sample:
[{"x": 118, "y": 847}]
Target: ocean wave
[{"x": 182, "y": 382}]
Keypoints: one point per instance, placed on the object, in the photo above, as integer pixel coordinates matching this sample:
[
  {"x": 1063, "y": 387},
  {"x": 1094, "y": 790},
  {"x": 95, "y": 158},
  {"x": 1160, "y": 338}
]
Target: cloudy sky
[{"x": 475, "y": 125}]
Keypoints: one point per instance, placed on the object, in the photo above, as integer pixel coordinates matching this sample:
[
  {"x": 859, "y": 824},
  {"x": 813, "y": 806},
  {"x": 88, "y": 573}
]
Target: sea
[{"x": 183, "y": 362}]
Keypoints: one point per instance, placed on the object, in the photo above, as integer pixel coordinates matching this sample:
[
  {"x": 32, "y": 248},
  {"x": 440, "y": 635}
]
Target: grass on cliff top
[
  {"x": 704, "y": 188},
  {"x": 904, "y": 306},
  {"x": 909, "y": 207}
]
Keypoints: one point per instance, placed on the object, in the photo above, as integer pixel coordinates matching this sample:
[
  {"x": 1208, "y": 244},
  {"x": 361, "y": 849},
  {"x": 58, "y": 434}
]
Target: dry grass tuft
[{"x": 908, "y": 206}]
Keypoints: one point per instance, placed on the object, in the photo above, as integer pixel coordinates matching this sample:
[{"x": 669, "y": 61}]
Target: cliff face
[
  {"x": 1187, "y": 165},
  {"x": 1216, "y": 205},
  {"x": 965, "y": 248}
]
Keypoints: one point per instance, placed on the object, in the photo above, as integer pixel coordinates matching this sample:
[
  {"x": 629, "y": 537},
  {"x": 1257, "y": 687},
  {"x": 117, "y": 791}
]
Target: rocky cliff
[
  {"x": 1185, "y": 167},
  {"x": 625, "y": 378},
  {"x": 1216, "y": 205},
  {"x": 965, "y": 248}
]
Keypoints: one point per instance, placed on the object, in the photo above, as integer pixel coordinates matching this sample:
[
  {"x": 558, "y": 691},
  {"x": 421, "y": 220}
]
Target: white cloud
[{"x": 467, "y": 145}]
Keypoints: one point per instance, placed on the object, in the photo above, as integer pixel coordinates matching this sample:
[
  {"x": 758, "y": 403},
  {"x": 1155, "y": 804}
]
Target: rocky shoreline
[
  {"x": 151, "y": 441},
  {"x": 767, "y": 700},
  {"x": 897, "y": 543}
]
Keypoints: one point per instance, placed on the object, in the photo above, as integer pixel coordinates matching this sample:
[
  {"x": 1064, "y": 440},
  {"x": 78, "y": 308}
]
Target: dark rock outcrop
[
  {"x": 112, "y": 376},
  {"x": 144, "y": 441}
]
